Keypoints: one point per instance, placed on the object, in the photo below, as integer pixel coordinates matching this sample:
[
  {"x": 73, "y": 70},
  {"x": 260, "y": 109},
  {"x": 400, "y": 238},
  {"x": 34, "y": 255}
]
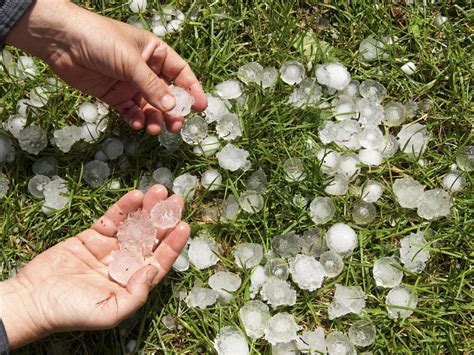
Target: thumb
[
  {"x": 141, "y": 283},
  {"x": 152, "y": 87}
]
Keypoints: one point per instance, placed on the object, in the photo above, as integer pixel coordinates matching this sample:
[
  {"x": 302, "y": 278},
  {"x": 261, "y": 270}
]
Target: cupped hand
[
  {"x": 69, "y": 283},
  {"x": 126, "y": 67}
]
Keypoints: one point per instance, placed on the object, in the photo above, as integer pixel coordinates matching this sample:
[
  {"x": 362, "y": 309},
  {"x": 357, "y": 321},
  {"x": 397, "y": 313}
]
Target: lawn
[{"x": 221, "y": 37}]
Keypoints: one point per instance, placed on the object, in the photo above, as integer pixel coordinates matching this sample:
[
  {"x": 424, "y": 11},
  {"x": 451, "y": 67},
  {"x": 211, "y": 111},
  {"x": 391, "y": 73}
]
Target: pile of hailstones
[{"x": 310, "y": 258}]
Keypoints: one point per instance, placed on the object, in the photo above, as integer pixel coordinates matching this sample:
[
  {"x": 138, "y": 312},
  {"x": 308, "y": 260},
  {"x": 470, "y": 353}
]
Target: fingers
[
  {"x": 139, "y": 285},
  {"x": 154, "y": 194},
  {"x": 154, "y": 120},
  {"x": 98, "y": 245},
  {"x": 174, "y": 123},
  {"x": 109, "y": 222},
  {"x": 169, "y": 249},
  {"x": 153, "y": 88},
  {"x": 166, "y": 62}
]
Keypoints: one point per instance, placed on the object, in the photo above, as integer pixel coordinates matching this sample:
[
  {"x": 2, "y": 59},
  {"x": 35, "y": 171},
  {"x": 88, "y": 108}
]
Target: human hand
[
  {"x": 126, "y": 67},
  {"x": 67, "y": 287}
]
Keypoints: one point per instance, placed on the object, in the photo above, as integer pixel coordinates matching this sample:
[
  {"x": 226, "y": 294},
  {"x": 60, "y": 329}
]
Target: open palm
[{"x": 72, "y": 289}]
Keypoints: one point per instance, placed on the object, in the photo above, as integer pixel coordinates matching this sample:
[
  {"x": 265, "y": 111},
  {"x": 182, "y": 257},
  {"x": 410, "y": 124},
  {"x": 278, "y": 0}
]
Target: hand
[
  {"x": 121, "y": 65},
  {"x": 68, "y": 287}
]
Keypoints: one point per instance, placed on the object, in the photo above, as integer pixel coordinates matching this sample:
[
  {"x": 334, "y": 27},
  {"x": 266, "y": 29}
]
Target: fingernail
[
  {"x": 167, "y": 102},
  {"x": 151, "y": 274}
]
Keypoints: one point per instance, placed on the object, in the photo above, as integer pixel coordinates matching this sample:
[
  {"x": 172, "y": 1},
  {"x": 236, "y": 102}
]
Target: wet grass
[{"x": 270, "y": 32}]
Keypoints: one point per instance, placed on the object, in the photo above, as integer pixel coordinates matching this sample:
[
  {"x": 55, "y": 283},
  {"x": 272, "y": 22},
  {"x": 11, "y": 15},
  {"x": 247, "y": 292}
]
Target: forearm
[{"x": 20, "y": 316}]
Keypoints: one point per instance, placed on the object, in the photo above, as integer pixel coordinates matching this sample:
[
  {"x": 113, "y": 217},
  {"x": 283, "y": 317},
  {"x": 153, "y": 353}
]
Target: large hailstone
[
  {"x": 307, "y": 272},
  {"x": 341, "y": 239},
  {"x": 255, "y": 316},
  {"x": 281, "y": 328},
  {"x": 334, "y": 75},
  {"x": 231, "y": 341},
  {"x": 413, "y": 252},
  {"x": 203, "y": 252}
]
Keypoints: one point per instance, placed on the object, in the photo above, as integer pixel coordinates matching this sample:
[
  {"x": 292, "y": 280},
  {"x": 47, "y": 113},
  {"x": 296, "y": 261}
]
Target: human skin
[
  {"x": 126, "y": 67},
  {"x": 68, "y": 287}
]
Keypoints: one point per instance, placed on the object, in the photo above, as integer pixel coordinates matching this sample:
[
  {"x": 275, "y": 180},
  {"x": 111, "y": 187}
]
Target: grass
[{"x": 271, "y": 32}]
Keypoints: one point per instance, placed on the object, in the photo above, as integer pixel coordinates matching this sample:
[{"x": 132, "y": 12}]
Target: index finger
[{"x": 166, "y": 62}]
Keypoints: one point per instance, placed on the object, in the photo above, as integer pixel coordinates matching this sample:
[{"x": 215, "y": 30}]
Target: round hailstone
[
  {"x": 292, "y": 72},
  {"x": 434, "y": 204},
  {"x": 348, "y": 166},
  {"x": 322, "y": 210},
  {"x": 250, "y": 73},
  {"x": 248, "y": 255},
  {"x": 307, "y": 272},
  {"x": 224, "y": 282},
  {"x": 269, "y": 77},
  {"x": 338, "y": 186},
  {"x": 372, "y": 191},
  {"x": 408, "y": 191},
  {"x": 39, "y": 96},
  {"x": 36, "y": 185},
  {"x": 15, "y": 124},
  {"x": 228, "y": 127},
  {"x": 339, "y": 344},
  {"x": 96, "y": 172},
  {"x": 55, "y": 195},
  {"x": 90, "y": 132},
  {"x": 332, "y": 263},
  {"x": 294, "y": 169},
  {"x": 201, "y": 297},
  {"x": 370, "y": 49},
  {"x": 164, "y": 176},
  {"x": 300, "y": 201},
  {"x": 408, "y": 68},
  {"x": 341, "y": 239},
  {"x": 231, "y": 341},
  {"x": 185, "y": 186},
  {"x": 208, "y": 147},
  {"x": 47, "y": 166},
  {"x": 412, "y": 139},
  {"x": 281, "y": 328},
  {"x": 362, "y": 333},
  {"x": 371, "y": 89},
  {"x": 232, "y": 158},
  {"x": 7, "y": 150},
  {"x": 124, "y": 264},
  {"x": 211, "y": 180},
  {"x": 184, "y": 101},
  {"x": 327, "y": 132},
  {"x": 387, "y": 272},
  {"x": 439, "y": 20},
  {"x": 203, "y": 252},
  {"x": 194, "y": 130},
  {"x": 313, "y": 243},
  {"x": 330, "y": 161},
  {"x": 32, "y": 139},
  {"x": 229, "y": 89},
  {"x": 4, "y": 185},
  {"x": 351, "y": 90},
  {"x": 394, "y": 114},
  {"x": 334, "y": 75},
  {"x": 390, "y": 146},
  {"x": 230, "y": 209},
  {"x": 112, "y": 148},
  {"x": 277, "y": 267},
  {"x": 307, "y": 93},
  {"x": 286, "y": 245},
  {"x": 413, "y": 252},
  {"x": 257, "y": 279},
  {"x": 277, "y": 292},
  {"x": 465, "y": 158},
  {"x": 285, "y": 348},
  {"x": 346, "y": 300},
  {"x": 344, "y": 107},
  {"x": 370, "y": 112},
  {"x": 402, "y": 298},
  {"x": 370, "y": 157},
  {"x": 454, "y": 181},
  {"x": 182, "y": 261},
  {"x": 64, "y": 138},
  {"x": 216, "y": 108},
  {"x": 171, "y": 141},
  {"x": 257, "y": 181},
  {"x": 251, "y": 201},
  {"x": 88, "y": 112},
  {"x": 364, "y": 213},
  {"x": 137, "y": 6},
  {"x": 166, "y": 214},
  {"x": 371, "y": 138},
  {"x": 311, "y": 342}
]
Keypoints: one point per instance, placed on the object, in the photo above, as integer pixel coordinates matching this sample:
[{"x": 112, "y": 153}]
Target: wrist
[
  {"x": 43, "y": 29},
  {"x": 23, "y": 321}
]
